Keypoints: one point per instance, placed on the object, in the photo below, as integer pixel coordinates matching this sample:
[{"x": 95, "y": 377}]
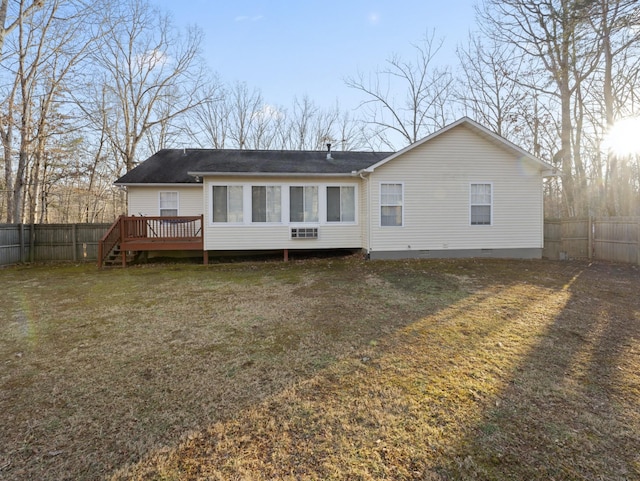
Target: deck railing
[
  {"x": 133, "y": 233},
  {"x": 162, "y": 228},
  {"x": 109, "y": 240}
]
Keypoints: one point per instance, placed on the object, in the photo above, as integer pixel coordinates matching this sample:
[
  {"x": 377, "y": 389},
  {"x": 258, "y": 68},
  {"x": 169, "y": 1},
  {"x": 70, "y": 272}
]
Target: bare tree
[
  {"x": 8, "y": 124},
  {"x": 149, "y": 73},
  {"x": 45, "y": 49},
  {"x": 243, "y": 104},
  {"x": 301, "y": 123},
  {"x": 615, "y": 23},
  {"x": 207, "y": 123},
  {"x": 550, "y": 33},
  {"x": 486, "y": 88},
  {"x": 25, "y": 10},
  {"x": 408, "y": 98}
]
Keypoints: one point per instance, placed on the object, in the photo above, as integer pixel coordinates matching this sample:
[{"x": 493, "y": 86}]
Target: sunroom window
[
  {"x": 227, "y": 203},
  {"x": 303, "y": 204},
  {"x": 266, "y": 203},
  {"x": 341, "y": 204}
]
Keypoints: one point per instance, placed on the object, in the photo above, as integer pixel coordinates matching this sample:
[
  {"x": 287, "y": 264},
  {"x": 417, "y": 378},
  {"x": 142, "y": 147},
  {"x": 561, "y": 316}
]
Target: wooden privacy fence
[
  {"x": 49, "y": 242},
  {"x": 613, "y": 239}
]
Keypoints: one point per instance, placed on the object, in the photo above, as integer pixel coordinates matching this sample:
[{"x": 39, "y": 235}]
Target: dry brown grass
[{"x": 321, "y": 369}]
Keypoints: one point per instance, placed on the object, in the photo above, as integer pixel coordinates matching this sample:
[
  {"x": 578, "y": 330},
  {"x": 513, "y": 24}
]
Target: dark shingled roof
[{"x": 171, "y": 166}]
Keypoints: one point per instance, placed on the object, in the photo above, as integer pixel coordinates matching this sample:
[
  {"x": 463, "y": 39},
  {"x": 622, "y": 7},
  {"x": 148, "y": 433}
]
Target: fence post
[
  {"x": 32, "y": 242},
  {"x": 21, "y": 238},
  {"x": 74, "y": 241},
  {"x": 590, "y": 238},
  {"x": 638, "y": 239}
]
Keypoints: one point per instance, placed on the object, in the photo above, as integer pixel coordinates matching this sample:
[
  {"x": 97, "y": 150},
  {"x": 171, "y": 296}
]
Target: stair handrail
[{"x": 109, "y": 240}]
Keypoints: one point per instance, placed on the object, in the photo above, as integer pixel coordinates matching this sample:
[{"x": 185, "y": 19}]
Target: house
[{"x": 463, "y": 191}]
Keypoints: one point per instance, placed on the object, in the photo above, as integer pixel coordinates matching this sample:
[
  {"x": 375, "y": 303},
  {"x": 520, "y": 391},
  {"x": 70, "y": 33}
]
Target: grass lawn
[{"x": 321, "y": 369}]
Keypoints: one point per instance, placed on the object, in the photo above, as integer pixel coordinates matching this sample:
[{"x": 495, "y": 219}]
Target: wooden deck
[{"x": 130, "y": 234}]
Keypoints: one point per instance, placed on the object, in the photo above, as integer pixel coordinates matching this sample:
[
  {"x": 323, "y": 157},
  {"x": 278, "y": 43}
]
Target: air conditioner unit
[{"x": 304, "y": 232}]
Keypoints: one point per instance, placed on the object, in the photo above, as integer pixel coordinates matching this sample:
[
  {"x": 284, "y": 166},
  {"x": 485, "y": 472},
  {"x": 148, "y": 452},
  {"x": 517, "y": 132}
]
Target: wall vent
[{"x": 304, "y": 232}]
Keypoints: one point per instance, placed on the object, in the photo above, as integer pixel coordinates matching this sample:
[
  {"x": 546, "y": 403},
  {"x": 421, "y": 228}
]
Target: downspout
[{"x": 369, "y": 219}]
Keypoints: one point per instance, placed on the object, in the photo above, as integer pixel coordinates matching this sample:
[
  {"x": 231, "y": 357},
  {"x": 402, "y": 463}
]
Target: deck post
[
  {"x": 286, "y": 255},
  {"x": 123, "y": 253},
  {"x": 205, "y": 257}
]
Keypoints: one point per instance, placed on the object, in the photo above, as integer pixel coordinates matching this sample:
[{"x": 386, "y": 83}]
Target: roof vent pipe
[{"x": 329, "y": 152}]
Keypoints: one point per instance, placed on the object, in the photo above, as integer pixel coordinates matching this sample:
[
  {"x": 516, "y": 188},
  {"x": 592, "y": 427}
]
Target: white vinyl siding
[
  {"x": 168, "y": 202},
  {"x": 143, "y": 200},
  {"x": 341, "y": 204},
  {"x": 437, "y": 176},
  {"x": 391, "y": 204},
  {"x": 480, "y": 196}
]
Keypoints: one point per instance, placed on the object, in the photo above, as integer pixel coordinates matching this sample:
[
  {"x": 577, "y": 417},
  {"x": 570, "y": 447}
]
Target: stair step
[{"x": 114, "y": 258}]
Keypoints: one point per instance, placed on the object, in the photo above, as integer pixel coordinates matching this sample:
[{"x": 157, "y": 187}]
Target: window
[
  {"x": 480, "y": 201},
  {"x": 227, "y": 203},
  {"x": 266, "y": 205},
  {"x": 168, "y": 204},
  {"x": 303, "y": 204},
  {"x": 341, "y": 204},
  {"x": 391, "y": 204}
]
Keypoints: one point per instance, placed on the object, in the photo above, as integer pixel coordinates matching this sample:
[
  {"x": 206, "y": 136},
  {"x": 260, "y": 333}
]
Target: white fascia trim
[
  {"x": 141, "y": 184},
  {"x": 269, "y": 174},
  {"x": 545, "y": 167}
]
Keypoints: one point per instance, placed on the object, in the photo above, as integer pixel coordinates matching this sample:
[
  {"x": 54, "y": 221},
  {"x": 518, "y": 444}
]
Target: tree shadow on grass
[
  {"x": 570, "y": 410},
  {"x": 346, "y": 370},
  {"x": 128, "y": 361},
  {"x": 392, "y": 410}
]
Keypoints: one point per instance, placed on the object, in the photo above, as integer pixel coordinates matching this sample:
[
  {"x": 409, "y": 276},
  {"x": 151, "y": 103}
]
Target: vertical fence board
[
  {"x": 613, "y": 239},
  {"x": 552, "y": 239},
  {"x": 49, "y": 242},
  {"x": 9, "y": 243},
  {"x": 617, "y": 239},
  {"x": 575, "y": 238}
]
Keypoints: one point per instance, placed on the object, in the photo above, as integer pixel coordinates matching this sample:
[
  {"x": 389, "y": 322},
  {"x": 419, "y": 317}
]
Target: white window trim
[
  {"x": 177, "y": 201},
  {"x": 386, "y": 182},
  {"x": 490, "y": 204},
  {"x": 211, "y": 185}
]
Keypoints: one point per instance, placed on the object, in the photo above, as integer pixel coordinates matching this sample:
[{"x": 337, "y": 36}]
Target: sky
[{"x": 294, "y": 48}]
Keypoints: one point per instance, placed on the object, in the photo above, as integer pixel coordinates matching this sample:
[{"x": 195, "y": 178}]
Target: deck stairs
[
  {"x": 114, "y": 257},
  {"x": 130, "y": 236}
]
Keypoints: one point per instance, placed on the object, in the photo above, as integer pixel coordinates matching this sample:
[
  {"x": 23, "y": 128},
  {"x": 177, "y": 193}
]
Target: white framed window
[
  {"x": 303, "y": 203},
  {"x": 341, "y": 204},
  {"x": 391, "y": 204},
  {"x": 266, "y": 203},
  {"x": 481, "y": 204},
  {"x": 168, "y": 203},
  {"x": 227, "y": 203}
]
